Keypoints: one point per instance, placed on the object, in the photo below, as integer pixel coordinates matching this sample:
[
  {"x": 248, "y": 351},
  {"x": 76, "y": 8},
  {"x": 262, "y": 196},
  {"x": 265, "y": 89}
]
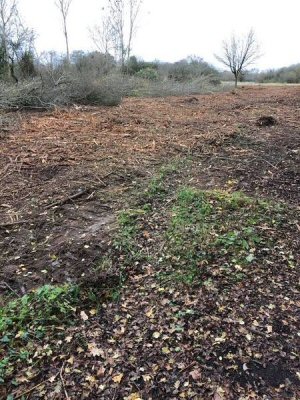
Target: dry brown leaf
[
  {"x": 134, "y": 396},
  {"x": 71, "y": 360},
  {"x": 149, "y": 313},
  {"x": 95, "y": 350},
  {"x": 101, "y": 372},
  {"x": 196, "y": 374},
  {"x": 117, "y": 378}
]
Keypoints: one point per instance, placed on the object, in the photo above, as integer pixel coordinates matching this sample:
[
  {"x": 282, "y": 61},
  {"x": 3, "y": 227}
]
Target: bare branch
[
  {"x": 117, "y": 28},
  {"x": 102, "y": 36}
]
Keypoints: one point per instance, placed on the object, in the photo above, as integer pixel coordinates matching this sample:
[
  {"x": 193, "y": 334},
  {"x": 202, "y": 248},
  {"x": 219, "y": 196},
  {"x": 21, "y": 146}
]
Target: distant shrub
[
  {"x": 190, "y": 69},
  {"x": 289, "y": 74},
  {"x": 94, "y": 63},
  {"x": 134, "y": 66},
  {"x": 147, "y": 88},
  {"x": 148, "y": 73}
]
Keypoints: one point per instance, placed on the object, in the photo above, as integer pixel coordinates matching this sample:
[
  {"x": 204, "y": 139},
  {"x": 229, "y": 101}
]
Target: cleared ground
[{"x": 202, "y": 307}]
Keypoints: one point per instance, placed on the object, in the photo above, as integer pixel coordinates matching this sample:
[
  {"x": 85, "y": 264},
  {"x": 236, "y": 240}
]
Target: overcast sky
[{"x": 170, "y": 30}]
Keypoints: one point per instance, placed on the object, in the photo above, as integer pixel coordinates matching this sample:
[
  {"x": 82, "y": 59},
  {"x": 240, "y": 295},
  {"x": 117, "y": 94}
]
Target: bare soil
[
  {"x": 105, "y": 152},
  {"x": 65, "y": 175}
]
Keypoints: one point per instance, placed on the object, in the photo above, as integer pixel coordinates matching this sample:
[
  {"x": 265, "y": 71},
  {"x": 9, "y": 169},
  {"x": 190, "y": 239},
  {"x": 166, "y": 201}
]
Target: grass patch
[
  {"x": 158, "y": 185},
  {"x": 215, "y": 231},
  {"x": 125, "y": 241}
]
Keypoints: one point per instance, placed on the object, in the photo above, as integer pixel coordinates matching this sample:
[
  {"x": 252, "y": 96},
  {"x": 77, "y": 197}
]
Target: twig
[
  {"x": 18, "y": 396},
  {"x": 67, "y": 199},
  {"x": 10, "y": 288},
  {"x": 8, "y": 224},
  {"x": 256, "y": 332},
  {"x": 29, "y": 390},
  {"x": 188, "y": 366},
  {"x": 77, "y": 195},
  {"x": 63, "y": 382}
]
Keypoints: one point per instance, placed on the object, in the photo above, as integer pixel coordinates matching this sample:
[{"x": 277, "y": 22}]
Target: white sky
[{"x": 170, "y": 30}]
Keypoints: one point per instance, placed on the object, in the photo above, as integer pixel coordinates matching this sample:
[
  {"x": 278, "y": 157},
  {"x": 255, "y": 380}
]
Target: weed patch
[
  {"x": 216, "y": 232},
  {"x": 30, "y": 319},
  {"x": 158, "y": 186}
]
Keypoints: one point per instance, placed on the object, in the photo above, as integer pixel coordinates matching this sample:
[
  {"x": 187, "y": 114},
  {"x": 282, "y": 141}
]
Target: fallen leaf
[
  {"x": 70, "y": 360},
  {"x": 22, "y": 379},
  {"x": 83, "y": 316},
  {"x": 94, "y": 350},
  {"x": 117, "y": 378},
  {"x": 219, "y": 394},
  {"x": 221, "y": 338},
  {"x": 146, "y": 234},
  {"x": 91, "y": 379},
  {"x": 133, "y": 396},
  {"x": 149, "y": 313},
  {"x": 177, "y": 384},
  {"x": 218, "y": 397},
  {"x": 101, "y": 372},
  {"x": 165, "y": 350},
  {"x": 195, "y": 374}
]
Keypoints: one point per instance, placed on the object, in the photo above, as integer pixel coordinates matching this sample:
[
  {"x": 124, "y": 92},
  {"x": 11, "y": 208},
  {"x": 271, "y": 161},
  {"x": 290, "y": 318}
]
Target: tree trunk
[
  {"x": 67, "y": 41},
  {"x": 235, "y": 80},
  {"x": 12, "y": 71}
]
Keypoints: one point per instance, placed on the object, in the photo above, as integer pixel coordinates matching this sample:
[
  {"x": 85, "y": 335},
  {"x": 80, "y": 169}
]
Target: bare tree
[
  {"x": 239, "y": 53},
  {"x": 15, "y": 38},
  {"x": 134, "y": 8},
  {"x": 118, "y": 28},
  {"x": 64, "y": 7},
  {"x": 103, "y": 36},
  {"x": 8, "y": 16}
]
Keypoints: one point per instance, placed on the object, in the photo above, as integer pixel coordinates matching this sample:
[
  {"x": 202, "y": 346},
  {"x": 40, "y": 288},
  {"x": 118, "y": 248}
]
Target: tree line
[{"x": 75, "y": 76}]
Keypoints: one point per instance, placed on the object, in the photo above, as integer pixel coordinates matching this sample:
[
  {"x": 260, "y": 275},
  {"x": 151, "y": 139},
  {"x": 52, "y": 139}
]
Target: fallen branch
[
  {"x": 9, "y": 224},
  {"x": 67, "y": 199}
]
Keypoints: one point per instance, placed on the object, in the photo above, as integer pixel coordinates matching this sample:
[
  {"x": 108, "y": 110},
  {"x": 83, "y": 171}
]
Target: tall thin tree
[{"x": 64, "y": 7}]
